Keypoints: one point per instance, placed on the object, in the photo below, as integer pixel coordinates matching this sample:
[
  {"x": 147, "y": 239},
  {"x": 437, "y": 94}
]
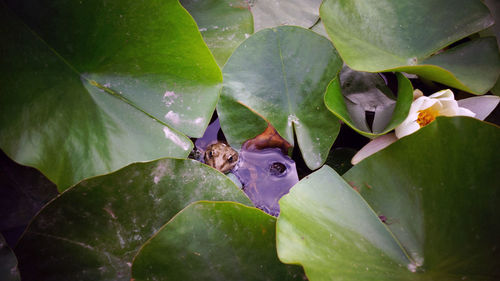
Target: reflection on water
[{"x": 266, "y": 175}]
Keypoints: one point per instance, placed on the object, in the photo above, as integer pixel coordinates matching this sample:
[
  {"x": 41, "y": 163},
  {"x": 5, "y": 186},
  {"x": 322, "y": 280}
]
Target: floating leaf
[
  {"x": 281, "y": 74},
  {"x": 304, "y": 13},
  {"x": 214, "y": 241},
  {"x": 90, "y": 87},
  {"x": 440, "y": 194},
  {"x": 93, "y": 230},
  {"x": 329, "y": 229},
  {"x": 426, "y": 200},
  {"x": 224, "y": 24},
  {"x": 8, "y": 262},
  {"x": 358, "y": 92},
  {"x": 405, "y": 35}
]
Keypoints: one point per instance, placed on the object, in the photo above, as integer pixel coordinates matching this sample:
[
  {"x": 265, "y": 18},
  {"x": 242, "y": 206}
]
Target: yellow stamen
[{"x": 426, "y": 116}]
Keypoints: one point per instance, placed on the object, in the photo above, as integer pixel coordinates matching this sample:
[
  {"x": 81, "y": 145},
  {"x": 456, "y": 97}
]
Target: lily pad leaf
[
  {"x": 354, "y": 93},
  {"x": 409, "y": 36},
  {"x": 214, "y": 241},
  {"x": 419, "y": 220},
  {"x": 304, "y": 13},
  {"x": 224, "y": 24},
  {"x": 325, "y": 226},
  {"x": 8, "y": 262},
  {"x": 281, "y": 74},
  {"x": 93, "y": 230},
  {"x": 91, "y": 87},
  {"x": 436, "y": 214}
]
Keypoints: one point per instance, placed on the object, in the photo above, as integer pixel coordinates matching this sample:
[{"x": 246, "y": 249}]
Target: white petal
[
  {"x": 406, "y": 129},
  {"x": 373, "y": 146},
  {"x": 443, "y": 95},
  {"x": 462, "y": 111},
  {"x": 426, "y": 103},
  {"x": 482, "y": 106}
]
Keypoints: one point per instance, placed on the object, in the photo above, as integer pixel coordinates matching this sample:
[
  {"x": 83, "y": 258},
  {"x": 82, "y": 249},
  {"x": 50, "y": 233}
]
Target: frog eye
[
  {"x": 230, "y": 159},
  {"x": 210, "y": 154}
]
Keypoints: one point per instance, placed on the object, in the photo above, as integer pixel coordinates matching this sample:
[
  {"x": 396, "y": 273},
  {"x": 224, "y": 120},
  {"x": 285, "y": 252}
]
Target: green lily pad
[
  {"x": 431, "y": 210},
  {"x": 325, "y": 226},
  {"x": 354, "y": 93},
  {"x": 446, "y": 181},
  {"x": 405, "y": 35},
  {"x": 91, "y": 87},
  {"x": 8, "y": 262},
  {"x": 224, "y": 24},
  {"x": 214, "y": 241},
  {"x": 281, "y": 74},
  {"x": 304, "y": 13},
  {"x": 93, "y": 230}
]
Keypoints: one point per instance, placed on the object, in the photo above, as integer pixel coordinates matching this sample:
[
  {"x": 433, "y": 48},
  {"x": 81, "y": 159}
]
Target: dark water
[{"x": 265, "y": 174}]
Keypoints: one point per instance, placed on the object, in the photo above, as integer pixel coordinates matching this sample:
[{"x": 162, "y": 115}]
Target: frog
[{"x": 221, "y": 157}]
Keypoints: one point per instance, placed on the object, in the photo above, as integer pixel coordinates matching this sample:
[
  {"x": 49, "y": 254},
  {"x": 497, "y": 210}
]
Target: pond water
[{"x": 265, "y": 172}]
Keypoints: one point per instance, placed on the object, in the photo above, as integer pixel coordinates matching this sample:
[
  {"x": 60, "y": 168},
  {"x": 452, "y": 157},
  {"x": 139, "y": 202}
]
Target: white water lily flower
[{"x": 424, "y": 110}]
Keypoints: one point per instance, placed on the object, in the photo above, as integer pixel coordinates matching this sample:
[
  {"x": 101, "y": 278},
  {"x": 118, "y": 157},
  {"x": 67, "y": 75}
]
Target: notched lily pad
[
  {"x": 283, "y": 82},
  {"x": 93, "y": 230}
]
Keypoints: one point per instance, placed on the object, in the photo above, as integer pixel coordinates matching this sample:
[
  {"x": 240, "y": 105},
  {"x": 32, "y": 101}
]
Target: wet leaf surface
[
  {"x": 423, "y": 199},
  {"x": 283, "y": 83},
  {"x": 214, "y": 241},
  {"x": 304, "y": 13},
  {"x": 93, "y": 230},
  {"x": 85, "y": 83},
  {"x": 327, "y": 227},
  {"x": 445, "y": 180},
  {"x": 394, "y": 35},
  {"x": 224, "y": 24}
]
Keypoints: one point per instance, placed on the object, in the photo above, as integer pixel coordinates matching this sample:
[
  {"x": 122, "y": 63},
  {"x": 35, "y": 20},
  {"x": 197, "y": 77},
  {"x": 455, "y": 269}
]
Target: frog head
[{"x": 221, "y": 156}]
